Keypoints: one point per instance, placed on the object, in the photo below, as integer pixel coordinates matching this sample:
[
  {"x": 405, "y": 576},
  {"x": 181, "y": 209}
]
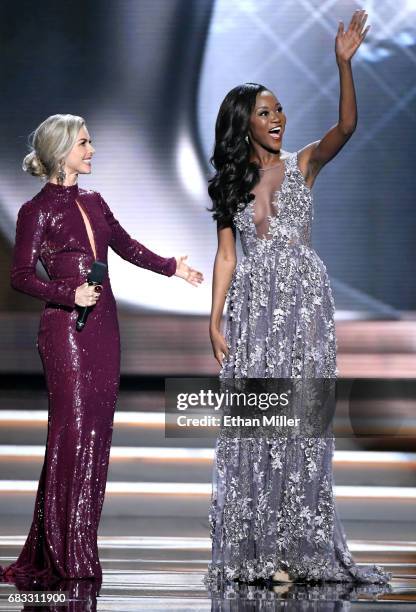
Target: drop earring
[
  {"x": 61, "y": 174},
  {"x": 247, "y": 139}
]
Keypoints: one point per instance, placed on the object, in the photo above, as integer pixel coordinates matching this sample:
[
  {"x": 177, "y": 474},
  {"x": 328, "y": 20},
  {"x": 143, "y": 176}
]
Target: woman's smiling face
[
  {"x": 267, "y": 122},
  {"x": 78, "y": 161}
]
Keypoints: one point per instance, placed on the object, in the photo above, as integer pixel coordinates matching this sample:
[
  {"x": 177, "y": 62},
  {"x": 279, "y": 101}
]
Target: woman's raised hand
[
  {"x": 186, "y": 272},
  {"x": 347, "y": 43},
  {"x": 87, "y": 295}
]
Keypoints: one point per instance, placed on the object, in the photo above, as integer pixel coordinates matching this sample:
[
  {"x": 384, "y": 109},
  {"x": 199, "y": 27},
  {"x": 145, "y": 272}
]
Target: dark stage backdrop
[{"x": 149, "y": 75}]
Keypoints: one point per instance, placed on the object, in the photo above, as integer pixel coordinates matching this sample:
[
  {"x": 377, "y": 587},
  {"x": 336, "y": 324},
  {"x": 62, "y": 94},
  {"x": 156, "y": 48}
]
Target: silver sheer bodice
[{"x": 275, "y": 219}]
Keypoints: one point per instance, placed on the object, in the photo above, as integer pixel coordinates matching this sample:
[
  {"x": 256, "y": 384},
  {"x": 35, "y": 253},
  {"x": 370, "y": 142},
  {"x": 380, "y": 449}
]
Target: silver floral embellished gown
[{"x": 272, "y": 505}]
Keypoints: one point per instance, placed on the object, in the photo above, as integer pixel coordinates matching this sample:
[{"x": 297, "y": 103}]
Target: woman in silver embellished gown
[{"x": 273, "y": 514}]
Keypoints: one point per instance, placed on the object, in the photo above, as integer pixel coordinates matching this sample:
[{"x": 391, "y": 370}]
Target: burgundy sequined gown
[{"x": 82, "y": 374}]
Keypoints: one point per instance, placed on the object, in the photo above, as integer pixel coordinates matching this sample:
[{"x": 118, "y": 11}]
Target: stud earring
[
  {"x": 246, "y": 139},
  {"x": 61, "y": 174}
]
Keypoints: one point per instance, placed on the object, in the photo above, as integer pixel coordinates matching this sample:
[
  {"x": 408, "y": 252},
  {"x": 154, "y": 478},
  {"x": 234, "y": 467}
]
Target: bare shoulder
[
  {"x": 306, "y": 164},
  {"x": 305, "y": 155},
  {"x": 226, "y": 241}
]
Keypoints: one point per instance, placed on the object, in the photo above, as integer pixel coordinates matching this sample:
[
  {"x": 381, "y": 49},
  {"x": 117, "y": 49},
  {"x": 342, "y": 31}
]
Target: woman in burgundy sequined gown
[{"x": 67, "y": 228}]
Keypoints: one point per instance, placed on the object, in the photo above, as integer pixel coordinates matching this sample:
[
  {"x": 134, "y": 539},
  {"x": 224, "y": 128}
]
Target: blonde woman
[{"x": 68, "y": 228}]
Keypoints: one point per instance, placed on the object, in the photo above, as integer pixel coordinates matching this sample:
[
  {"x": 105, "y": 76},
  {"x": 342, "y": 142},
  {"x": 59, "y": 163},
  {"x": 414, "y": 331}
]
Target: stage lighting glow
[
  {"x": 189, "y": 169},
  {"x": 374, "y": 458},
  {"x": 157, "y": 186},
  {"x": 122, "y": 417},
  {"x": 406, "y": 39},
  {"x": 121, "y": 452},
  {"x": 190, "y": 543},
  {"x": 202, "y": 488}
]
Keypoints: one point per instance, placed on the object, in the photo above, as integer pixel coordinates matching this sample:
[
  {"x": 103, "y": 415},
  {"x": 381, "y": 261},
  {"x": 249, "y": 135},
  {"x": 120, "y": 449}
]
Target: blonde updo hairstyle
[{"x": 50, "y": 143}]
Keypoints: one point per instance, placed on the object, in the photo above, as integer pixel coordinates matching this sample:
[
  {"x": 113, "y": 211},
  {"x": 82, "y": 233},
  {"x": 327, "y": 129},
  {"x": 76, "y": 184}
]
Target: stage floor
[
  {"x": 163, "y": 573},
  {"x": 154, "y": 538}
]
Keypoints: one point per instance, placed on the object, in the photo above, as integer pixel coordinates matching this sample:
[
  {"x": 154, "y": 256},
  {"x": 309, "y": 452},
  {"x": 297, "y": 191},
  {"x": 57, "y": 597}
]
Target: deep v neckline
[
  {"x": 275, "y": 195},
  {"x": 88, "y": 228}
]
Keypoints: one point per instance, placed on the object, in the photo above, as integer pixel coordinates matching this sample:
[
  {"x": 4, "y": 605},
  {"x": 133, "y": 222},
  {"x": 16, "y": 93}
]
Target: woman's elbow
[
  {"x": 227, "y": 259},
  {"x": 18, "y": 280}
]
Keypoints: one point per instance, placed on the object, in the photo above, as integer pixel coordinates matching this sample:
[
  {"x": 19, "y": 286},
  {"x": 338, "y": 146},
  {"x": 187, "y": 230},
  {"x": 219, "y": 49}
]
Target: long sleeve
[
  {"x": 30, "y": 231},
  {"x": 134, "y": 252}
]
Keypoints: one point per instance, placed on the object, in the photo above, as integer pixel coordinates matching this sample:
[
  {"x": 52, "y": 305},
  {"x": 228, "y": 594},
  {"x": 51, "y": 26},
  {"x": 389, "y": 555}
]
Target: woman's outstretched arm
[
  {"x": 224, "y": 266},
  {"x": 316, "y": 154},
  {"x": 136, "y": 253},
  {"x": 133, "y": 251}
]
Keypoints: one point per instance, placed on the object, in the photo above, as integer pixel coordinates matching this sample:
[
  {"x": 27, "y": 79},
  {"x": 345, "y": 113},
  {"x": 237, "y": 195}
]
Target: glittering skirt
[
  {"x": 272, "y": 506},
  {"x": 82, "y": 376}
]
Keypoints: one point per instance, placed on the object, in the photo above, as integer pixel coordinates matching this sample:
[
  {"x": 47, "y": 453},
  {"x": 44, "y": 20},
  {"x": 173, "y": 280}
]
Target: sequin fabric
[
  {"x": 82, "y": 374},
  {"x": 272, "y": 506}
]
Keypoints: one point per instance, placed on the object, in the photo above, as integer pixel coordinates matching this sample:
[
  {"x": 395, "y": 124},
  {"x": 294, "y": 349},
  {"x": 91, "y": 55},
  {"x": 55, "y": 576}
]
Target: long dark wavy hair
[{"x": 235, "y": 176}]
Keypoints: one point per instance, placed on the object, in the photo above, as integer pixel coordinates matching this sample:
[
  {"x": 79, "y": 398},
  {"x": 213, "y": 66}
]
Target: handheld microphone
[{"x": 95, "y": 277}]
